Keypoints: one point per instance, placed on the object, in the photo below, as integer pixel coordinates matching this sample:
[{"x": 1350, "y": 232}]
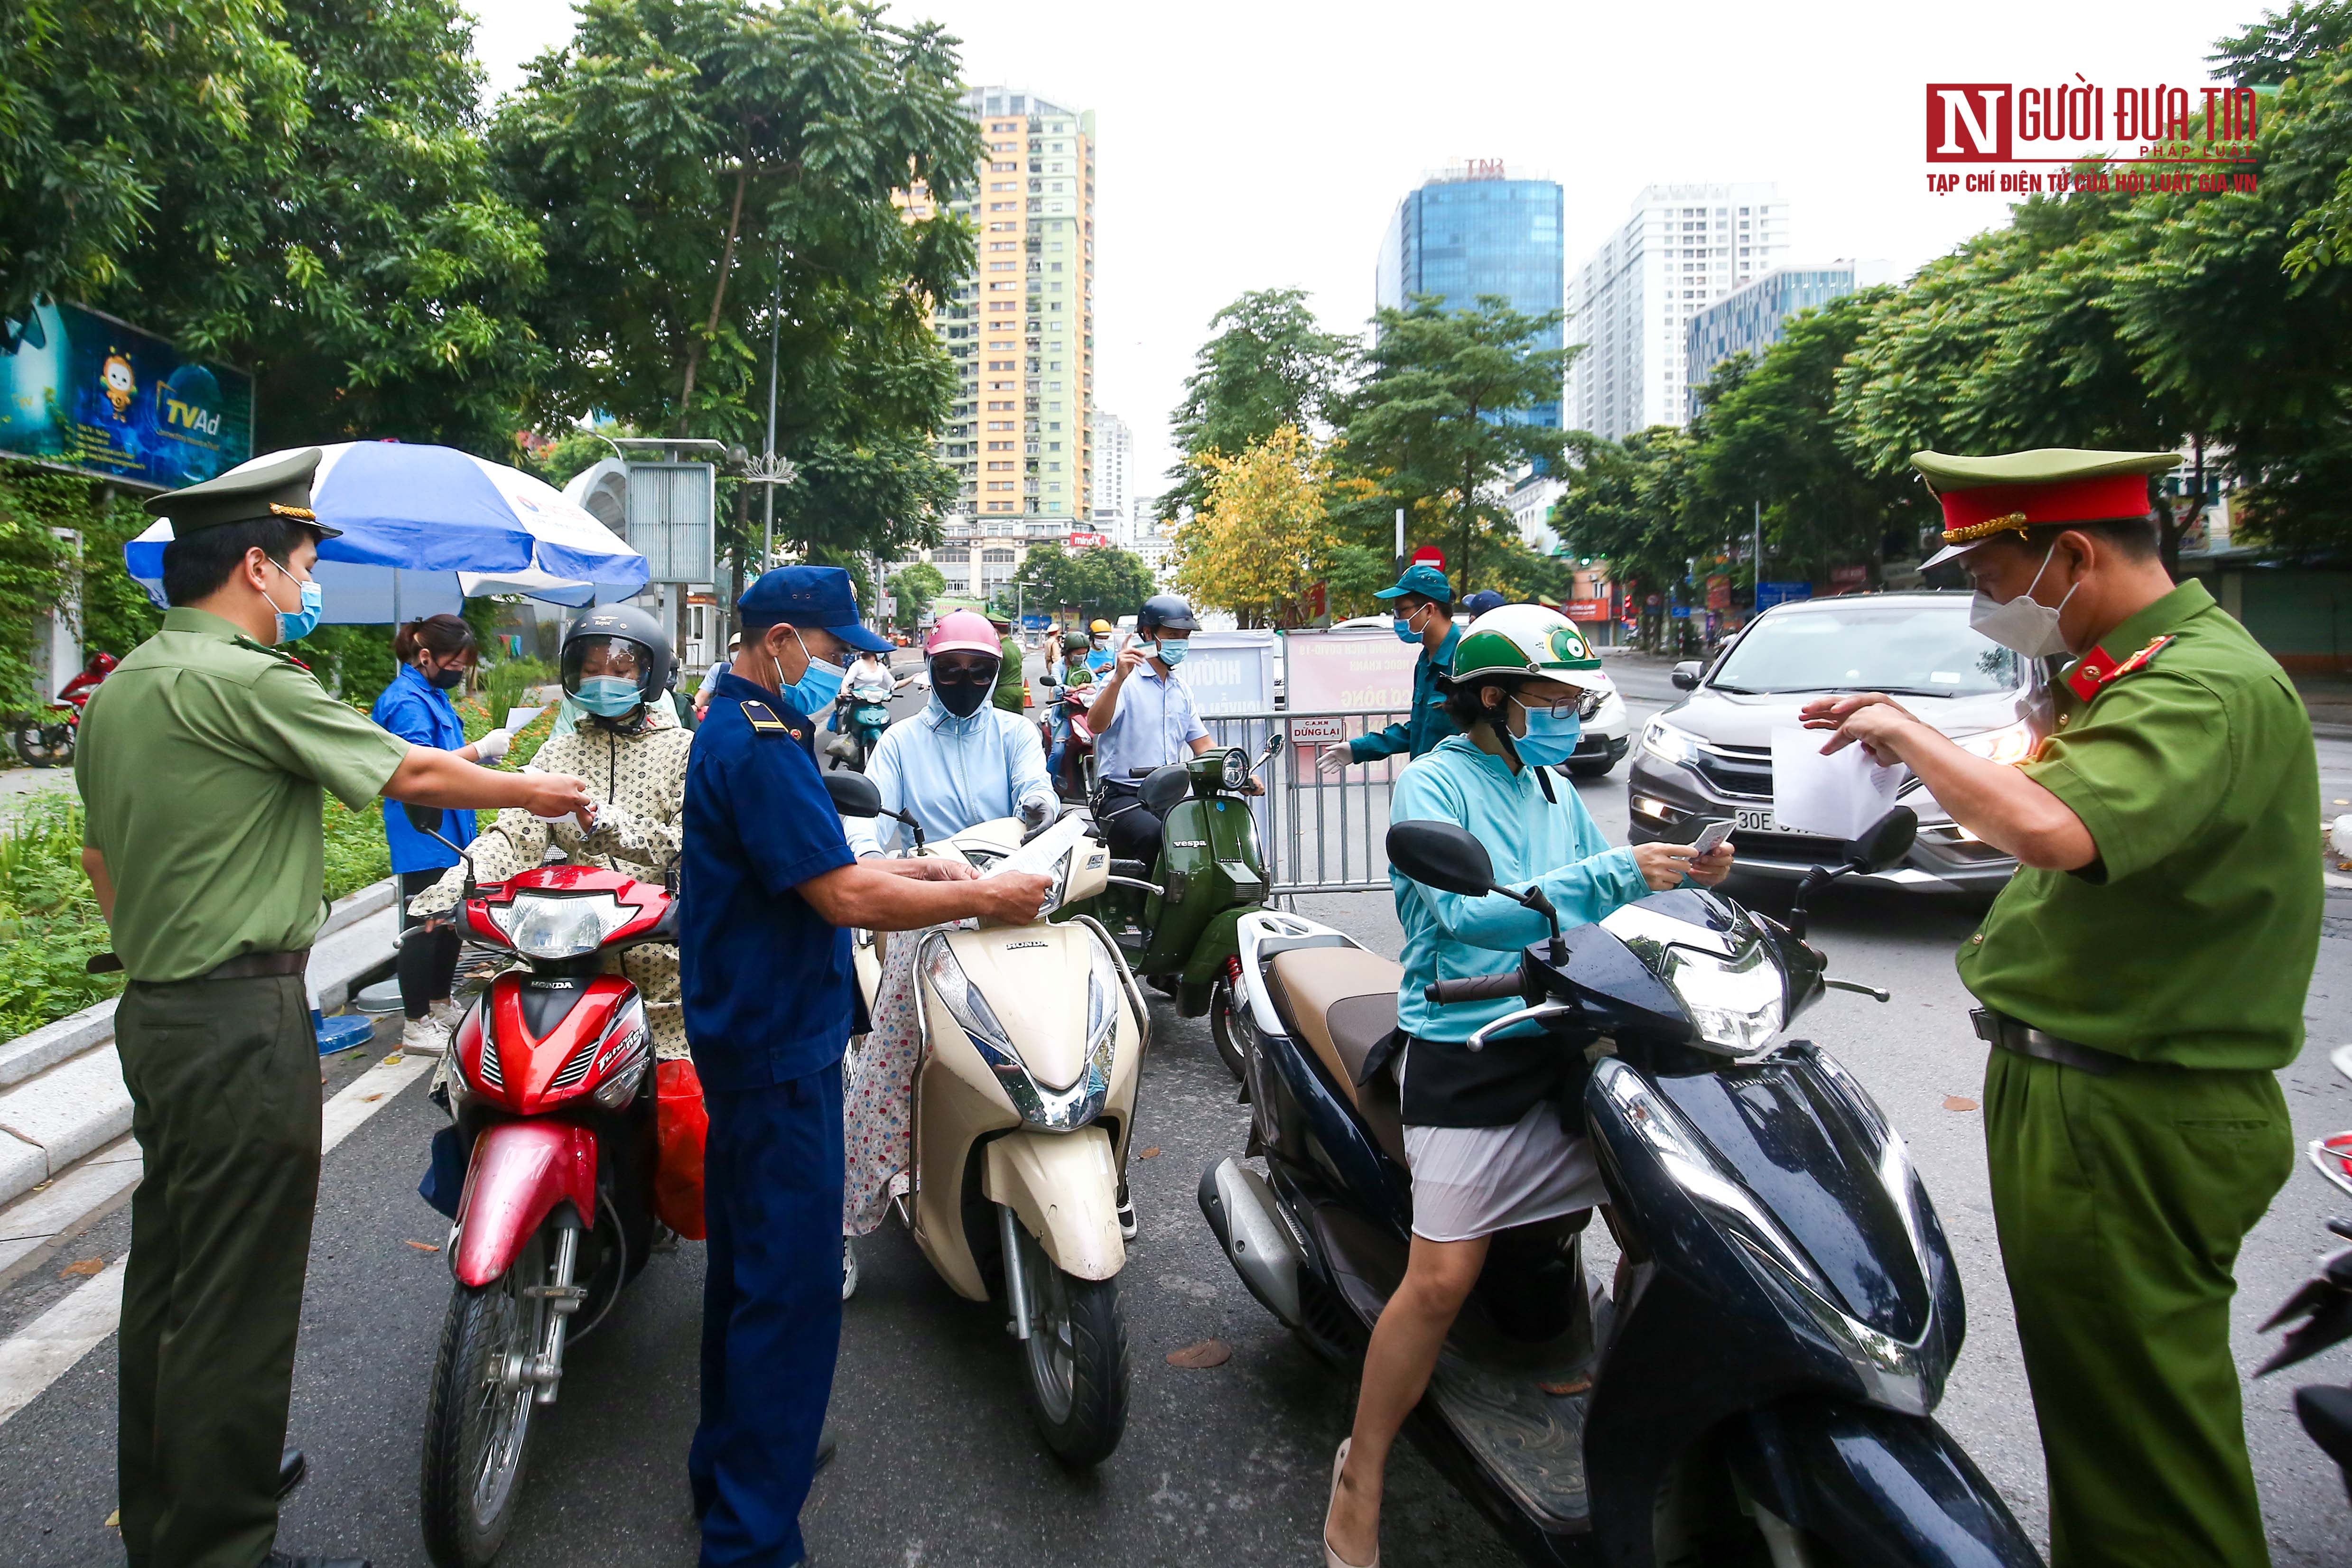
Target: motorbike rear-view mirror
[
  {"x": 424, "y": 819},
  {"x": 854, "y": 794},
  {"x": 1442, "y": 855},
  {"x": 1884, "y": 842},
  {"x": 1164, "y": 788}
]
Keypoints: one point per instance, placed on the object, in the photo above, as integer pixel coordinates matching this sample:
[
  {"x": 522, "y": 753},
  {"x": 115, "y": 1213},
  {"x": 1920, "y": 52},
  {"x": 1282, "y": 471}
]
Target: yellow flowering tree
[{"x": 1263, "y": 538}]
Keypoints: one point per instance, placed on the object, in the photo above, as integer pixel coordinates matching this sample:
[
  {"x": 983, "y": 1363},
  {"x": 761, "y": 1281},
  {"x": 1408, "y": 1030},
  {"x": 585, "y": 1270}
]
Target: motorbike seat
[{"x": 1342, "y": 1002}]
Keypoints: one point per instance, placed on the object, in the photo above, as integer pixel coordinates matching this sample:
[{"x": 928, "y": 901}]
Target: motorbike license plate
[{"x": 1753, "y": 819}]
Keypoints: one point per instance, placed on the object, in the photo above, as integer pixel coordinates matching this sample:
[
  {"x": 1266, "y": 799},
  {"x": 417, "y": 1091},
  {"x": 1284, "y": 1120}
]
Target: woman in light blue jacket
[{"x": 1484, "y": 1132}]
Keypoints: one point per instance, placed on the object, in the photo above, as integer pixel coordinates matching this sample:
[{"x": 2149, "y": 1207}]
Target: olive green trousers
[
  {"x": 223, "y": 1080},
  {"x": 2121, "y": 1202}
]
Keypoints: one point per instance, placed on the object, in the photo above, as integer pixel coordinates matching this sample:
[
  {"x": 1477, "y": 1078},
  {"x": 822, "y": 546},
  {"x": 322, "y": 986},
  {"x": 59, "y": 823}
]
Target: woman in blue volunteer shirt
[{"x": 435, "y": 654}]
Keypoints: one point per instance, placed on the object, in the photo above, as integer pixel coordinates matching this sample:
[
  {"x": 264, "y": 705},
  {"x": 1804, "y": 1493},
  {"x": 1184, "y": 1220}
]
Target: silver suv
[{"x": 1711, "y": 755}]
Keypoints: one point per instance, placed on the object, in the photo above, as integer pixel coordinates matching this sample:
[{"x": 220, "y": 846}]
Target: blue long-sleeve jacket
[
  {"x": 951, "y": 773},
  {"x": 419, "y": 712},
  {"x": 1448, "y": 936},
  {"x": 1417, "y": 733}
]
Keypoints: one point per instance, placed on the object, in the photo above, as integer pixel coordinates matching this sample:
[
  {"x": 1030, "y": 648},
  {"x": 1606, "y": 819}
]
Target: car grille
[{"x": 1744, "y": 771}]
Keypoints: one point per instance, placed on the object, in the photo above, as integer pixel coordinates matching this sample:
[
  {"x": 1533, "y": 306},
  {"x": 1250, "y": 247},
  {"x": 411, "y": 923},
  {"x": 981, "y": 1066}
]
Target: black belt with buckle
[{"x": 2006, "y": 1033}]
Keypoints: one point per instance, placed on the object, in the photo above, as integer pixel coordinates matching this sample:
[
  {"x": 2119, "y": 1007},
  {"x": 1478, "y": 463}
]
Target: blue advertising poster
[
  {"x": 1035, "y": 623},
  {"x": 82, "y": 391},
  {"x": 1767, "y": 594}
]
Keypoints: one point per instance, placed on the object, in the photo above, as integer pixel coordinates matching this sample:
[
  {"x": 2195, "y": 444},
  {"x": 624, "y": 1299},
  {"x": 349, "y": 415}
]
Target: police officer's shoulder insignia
[
  {"x": 2099, "y": 669},
  {"x": 763, "y": 721},
  {"x": 281, "y": 655}
]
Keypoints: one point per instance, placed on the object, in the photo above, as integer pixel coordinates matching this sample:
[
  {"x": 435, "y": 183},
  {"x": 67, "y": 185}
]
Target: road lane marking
[{"x": 46, "y": 1348}]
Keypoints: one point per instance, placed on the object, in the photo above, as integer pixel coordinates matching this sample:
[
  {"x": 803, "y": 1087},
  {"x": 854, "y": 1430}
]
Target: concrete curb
[{"x": 61, "y": 1094}]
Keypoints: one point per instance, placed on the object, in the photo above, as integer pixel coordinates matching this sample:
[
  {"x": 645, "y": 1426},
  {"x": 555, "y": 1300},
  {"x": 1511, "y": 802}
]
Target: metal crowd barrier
[{"x": 1318, "y": 834}]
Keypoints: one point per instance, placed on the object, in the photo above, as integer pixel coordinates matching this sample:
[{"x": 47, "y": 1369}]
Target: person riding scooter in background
[
  {"x": 617, "y": 730},
  {"x": 1487, "y": 1138},
  {"x": 1098, "y": 654},
  {"x": 960, "y": 762},
  {"x": 1143, "y": 721}
]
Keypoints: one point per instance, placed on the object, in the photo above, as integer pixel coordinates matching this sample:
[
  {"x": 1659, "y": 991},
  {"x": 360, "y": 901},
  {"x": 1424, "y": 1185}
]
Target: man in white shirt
[{"x": 1143, "y": 721}]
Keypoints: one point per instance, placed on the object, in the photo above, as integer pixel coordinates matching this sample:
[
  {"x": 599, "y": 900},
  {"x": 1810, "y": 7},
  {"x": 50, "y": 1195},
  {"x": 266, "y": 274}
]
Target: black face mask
[
  {"x": 445, "y": 680},
  {"x": 963, "y": 695}
]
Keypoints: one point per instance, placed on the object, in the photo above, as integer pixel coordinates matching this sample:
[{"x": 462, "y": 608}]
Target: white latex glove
[
  {"x": 493, "y": 745},
  {"x": 1332, "y": 760}
]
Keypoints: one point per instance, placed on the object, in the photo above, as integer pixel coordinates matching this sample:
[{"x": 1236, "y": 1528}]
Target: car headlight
[
  {"x": 1736, "y": 1004},
  {"x": 559, "y": 927},
  {"x": 1047, "y": 1110},
  {"x": 2011, "y": 745},
  {"x": 1664, "y": 742}
]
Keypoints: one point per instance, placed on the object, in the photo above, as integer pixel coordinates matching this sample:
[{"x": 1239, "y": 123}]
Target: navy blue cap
[
  {"x": 1483, "y": 600},
  {"x": 817, "y": 596},
  {"x": 1423, "y": 579}
]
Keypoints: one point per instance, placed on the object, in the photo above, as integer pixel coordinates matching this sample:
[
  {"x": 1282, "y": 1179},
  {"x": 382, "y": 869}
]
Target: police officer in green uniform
[
  {"x": 2143, "y": 977},
  {"x": 201, "y": 767}
]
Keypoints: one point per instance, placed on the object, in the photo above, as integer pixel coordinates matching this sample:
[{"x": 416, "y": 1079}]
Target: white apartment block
[
  {"x": 1683, "y": 248},
  {"x": 1114, "y": 474}
]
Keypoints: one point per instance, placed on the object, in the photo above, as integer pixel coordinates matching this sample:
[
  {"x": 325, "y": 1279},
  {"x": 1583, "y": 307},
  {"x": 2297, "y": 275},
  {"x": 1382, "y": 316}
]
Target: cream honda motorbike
[{"x": 1024, "y": 1106}]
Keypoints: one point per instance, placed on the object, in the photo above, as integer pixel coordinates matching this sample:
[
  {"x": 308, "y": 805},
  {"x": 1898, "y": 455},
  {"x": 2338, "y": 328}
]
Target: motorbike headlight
[
  {"x": 1234, "y": 770},
  {"x": 2011, "y": 745},
  {"x": 1736, "y": 1004},
  {"x": 560, "y": 928},
  {"x": 1664, "y": 742},
  {"x": 1102, "y": 1004},
  {"x": 1046, "y": 1110}
]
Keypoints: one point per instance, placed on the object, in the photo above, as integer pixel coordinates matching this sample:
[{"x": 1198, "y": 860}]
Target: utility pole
[
  {"x": 1400, "y": 532},
  {"x": 1756, "y": 561},
  {"x": 768, "y": 506}
]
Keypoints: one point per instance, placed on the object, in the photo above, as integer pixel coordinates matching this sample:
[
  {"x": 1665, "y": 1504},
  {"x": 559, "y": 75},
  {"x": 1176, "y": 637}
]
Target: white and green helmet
[{"x": 1523, "y": 641}]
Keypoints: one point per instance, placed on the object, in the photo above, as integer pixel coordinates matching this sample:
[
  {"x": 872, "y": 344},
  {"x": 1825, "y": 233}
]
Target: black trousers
[
  {"x": 1132, "y": 833},
  {"x": 223, "y": 1080},
  {"x": 428, "y": 959}
]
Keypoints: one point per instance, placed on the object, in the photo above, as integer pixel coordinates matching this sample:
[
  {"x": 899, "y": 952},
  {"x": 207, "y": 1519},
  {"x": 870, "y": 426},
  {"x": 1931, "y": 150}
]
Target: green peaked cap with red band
[{"x": 1984, "y": 498}]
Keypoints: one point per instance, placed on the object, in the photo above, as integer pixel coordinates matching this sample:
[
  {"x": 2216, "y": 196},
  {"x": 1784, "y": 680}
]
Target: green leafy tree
[
  {"x": 1433, "y": 424},
  {"x": 1269, "y": 364},
  {"x": 1770, "y": 435},
  {"x": 1102, "y": 581},
  {"x": 914, "y": 587},
  {"x": 1639, "y": 503},
  {"x": 693, "y": 163}
]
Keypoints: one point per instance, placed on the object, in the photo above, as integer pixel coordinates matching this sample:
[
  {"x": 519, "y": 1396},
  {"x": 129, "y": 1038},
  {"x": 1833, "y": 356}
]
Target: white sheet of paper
[
  {"x": 1041, "y": 855},
  {"x": 1836, "y": 796},
  {"x": 518, "y": 716}
]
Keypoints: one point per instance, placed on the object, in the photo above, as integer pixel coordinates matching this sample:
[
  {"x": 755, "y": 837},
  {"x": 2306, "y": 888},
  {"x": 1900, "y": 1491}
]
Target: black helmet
[
  {"x": 1168, "y": 611},
  {"x": 634, "y": 628}
]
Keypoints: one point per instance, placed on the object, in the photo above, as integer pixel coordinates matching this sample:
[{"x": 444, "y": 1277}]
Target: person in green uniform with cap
[
  {"x": 2143, "y": 977},
  {"x": 1012, "y": 691},
  {"x": 201, "y": 768},
  {"x": 1421, "y": 607}
]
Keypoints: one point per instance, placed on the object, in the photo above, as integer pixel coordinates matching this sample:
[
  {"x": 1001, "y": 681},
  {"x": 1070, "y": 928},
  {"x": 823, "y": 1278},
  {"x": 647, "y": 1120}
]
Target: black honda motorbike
[
  {"x": 2321, "y": 1310},
  {"x": 1758, "y": 1388}
]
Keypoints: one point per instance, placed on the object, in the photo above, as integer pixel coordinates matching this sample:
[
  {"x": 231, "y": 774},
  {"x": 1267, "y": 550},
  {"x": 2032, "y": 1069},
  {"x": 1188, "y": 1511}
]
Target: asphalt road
[{"x": 939, "y": 1464}]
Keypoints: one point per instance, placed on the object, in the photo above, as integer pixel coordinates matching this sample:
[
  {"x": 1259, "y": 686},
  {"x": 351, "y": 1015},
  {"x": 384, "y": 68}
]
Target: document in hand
[
  {"x": 1836, "y": 797},
  {"x": 1042, "y": 855}
]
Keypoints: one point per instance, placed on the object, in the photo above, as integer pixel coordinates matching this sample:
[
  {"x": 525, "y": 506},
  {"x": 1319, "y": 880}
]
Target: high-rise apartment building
[
  {"x": 1114, "y": 475},
  {"x": 1021, "y": 330},
  {"x": 1471, "y": 230},
  {"x": 1684, "y": 248},
  {"x": 1750, "y": 320}
]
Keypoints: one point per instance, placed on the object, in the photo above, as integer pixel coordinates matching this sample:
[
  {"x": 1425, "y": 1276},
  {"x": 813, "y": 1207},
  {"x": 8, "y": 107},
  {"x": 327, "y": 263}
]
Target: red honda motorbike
[
  {"x": 46, "y": 739},
  {"x": 551, "y": 1083}
]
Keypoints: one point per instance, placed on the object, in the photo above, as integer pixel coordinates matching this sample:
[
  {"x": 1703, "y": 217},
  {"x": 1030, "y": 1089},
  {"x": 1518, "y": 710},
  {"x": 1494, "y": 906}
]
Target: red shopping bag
[{"x": 679, "y": 1124}]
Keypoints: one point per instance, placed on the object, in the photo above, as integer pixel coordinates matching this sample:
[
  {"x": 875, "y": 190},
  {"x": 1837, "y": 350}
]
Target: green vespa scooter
[{"x": 1174, "y": 922}]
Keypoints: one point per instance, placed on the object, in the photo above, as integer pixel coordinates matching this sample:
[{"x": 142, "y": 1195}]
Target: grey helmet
[
  {"x": 657, "y": 667},
  {"x": 1169, "y": 611}
]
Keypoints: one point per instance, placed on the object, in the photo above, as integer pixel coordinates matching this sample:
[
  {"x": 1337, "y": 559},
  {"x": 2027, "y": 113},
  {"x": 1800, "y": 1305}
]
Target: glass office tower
[{"x": 1470, "y": 231}]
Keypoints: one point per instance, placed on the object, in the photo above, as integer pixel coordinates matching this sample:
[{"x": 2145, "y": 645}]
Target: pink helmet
[{"x": 964, "y": 631}]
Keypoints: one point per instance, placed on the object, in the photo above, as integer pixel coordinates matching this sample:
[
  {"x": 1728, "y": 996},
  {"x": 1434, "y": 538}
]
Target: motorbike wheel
[
  {"x": 43, "y": 745},
  {"x": 1222, "y": 1030},
  {"x": 477, "y": 1426},
  {"x": 1076, "y": 1356}
]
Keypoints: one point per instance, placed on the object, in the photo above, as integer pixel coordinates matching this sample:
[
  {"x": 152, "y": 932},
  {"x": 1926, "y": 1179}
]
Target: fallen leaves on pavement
[
  {"x": 1200, "y": 1357},
  {"x": 82, "y": 1270},
  {"x": 1959, "y": 1102},
  {"x": 422, "y": 1246},
  {"x": 1152, "y": 1153}
]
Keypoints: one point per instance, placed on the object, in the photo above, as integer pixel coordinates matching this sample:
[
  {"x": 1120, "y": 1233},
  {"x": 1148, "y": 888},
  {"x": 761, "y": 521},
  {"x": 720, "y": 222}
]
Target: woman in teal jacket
[{"x": 1484, "y": 1132}]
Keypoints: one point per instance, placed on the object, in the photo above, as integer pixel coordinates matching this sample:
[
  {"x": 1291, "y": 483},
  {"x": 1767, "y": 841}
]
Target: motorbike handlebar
[{"x": 1476, "y": 989}]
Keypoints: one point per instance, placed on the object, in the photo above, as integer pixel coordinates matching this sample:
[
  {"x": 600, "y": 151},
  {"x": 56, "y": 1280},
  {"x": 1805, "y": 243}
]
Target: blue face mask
[
  {"x": 1169, "y": 654},
  {"x": 817, "y": 688},
  {"x": 305, "y": 621},
  {"x": 1549, "y": 740},
  {"x": 608, "y": 696}
]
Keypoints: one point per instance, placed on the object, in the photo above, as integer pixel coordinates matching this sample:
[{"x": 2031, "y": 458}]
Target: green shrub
[{"x": 508, "y": 685}]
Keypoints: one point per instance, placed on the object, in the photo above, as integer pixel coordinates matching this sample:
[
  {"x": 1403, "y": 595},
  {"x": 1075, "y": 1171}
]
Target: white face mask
[{"x": 2024, "y": 625}]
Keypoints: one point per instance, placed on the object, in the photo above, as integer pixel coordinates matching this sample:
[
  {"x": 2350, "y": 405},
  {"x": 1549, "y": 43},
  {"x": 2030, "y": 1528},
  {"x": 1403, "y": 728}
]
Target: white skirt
[{"x": 1469, "y": 1182}]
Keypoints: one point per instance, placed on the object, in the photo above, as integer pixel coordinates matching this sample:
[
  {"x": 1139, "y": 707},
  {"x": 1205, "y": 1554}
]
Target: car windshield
[{"x": 1902, "y": 646}]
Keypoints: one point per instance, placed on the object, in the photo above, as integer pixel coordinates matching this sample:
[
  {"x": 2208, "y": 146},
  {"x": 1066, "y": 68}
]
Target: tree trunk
[{"x": 718, "y": 299}]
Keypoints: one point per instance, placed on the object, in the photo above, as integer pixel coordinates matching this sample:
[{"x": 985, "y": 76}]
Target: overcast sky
[{"x": 1250, "y": 143}]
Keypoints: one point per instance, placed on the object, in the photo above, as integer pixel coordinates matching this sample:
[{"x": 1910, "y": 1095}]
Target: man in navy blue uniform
[{"x": 768, "y": 888}]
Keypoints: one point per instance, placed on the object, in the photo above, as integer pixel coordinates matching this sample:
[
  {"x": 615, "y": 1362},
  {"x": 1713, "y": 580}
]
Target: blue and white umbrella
[{"x": 426, "y": 526}]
